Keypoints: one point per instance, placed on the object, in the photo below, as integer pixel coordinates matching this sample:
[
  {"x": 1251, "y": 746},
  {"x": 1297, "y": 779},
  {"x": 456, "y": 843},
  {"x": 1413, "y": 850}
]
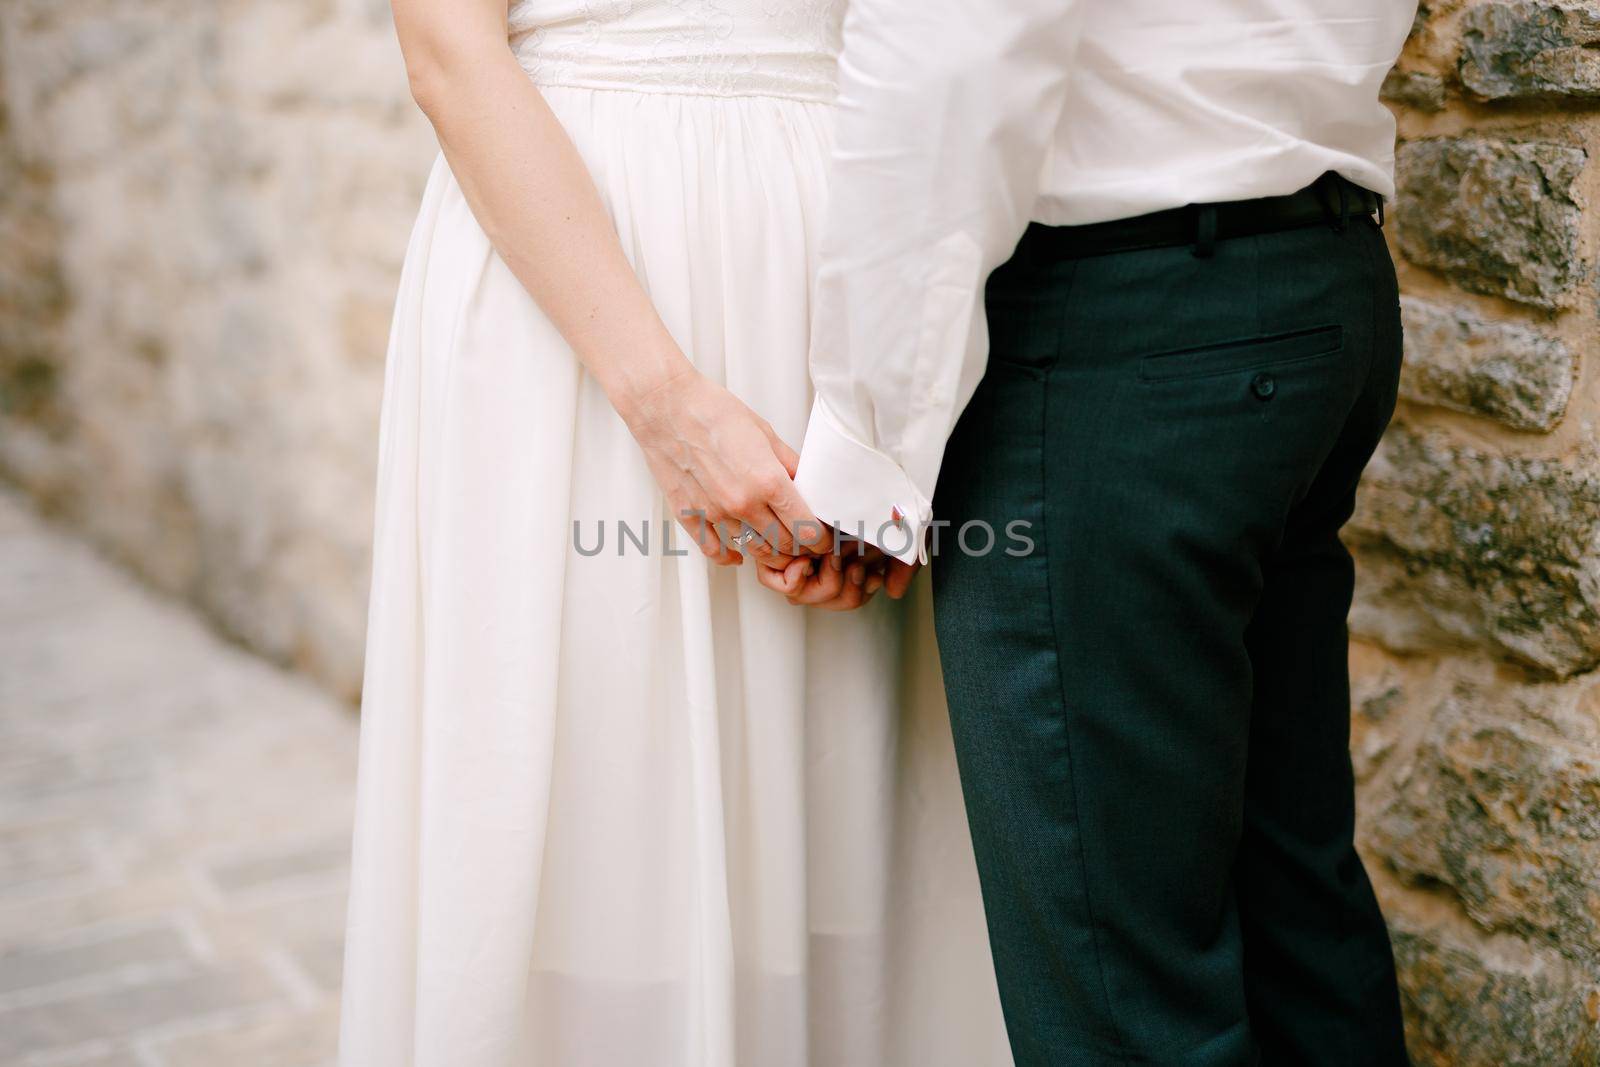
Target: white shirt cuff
[{"x": 859, "y": 491}]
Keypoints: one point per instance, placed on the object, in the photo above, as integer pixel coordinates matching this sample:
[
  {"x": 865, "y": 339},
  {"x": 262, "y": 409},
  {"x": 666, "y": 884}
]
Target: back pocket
[{"x": 1255, "y": 353}]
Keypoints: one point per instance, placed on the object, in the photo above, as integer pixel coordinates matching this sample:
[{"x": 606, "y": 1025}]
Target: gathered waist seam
[{"x": 663, "y": 90}]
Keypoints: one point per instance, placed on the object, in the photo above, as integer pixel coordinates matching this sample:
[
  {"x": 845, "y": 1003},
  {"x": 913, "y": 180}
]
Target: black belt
[{"x": 1331, "y": 199}]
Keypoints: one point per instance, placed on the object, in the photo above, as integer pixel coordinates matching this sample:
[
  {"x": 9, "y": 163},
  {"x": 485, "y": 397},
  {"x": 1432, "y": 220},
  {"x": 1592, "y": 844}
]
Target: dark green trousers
[{"x": 1151, "y": 708}]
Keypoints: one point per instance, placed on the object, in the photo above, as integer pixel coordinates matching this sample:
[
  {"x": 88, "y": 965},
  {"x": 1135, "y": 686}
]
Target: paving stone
[
  {"x": 285, "y": 1041},
  {"x": 32, "y": 968},
  {"x": 92, "y": 777},
  {"x": 253, "y": 872},
  {"x": 322, "y": 959},
  {"x": 92, "y": 1059},
  {"x": 174, "y": 827},
  {"x": 124, "y": 1012},
  {"x": 49, "y": 854}
]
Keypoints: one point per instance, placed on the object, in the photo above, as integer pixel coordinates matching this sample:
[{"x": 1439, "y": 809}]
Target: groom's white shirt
[{"x": 959, "y": 121}]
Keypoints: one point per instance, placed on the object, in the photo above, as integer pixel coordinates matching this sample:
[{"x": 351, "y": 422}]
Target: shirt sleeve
[{"x": 946, "y": 112}]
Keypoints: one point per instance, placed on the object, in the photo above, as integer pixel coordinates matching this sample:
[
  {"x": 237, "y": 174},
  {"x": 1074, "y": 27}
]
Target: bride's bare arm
[{"x": 535, "y": 199}]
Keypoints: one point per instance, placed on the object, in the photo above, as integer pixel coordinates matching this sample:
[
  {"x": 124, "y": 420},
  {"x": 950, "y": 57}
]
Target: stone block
[
  {"x": 1414, "y": 89},
  {"x": 1531, "y": 51},
  {"x": 1468, "y": 1008},
  {"x": 1503, "y": 371},
  {"x": 1504, "y": 814},
  {"x": 1495, "y": 217},
  {"x": 1460, "y": 547}
]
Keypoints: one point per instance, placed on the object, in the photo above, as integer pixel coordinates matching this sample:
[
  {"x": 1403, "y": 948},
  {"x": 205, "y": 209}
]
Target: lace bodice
[{"x": 781, "y": 48}]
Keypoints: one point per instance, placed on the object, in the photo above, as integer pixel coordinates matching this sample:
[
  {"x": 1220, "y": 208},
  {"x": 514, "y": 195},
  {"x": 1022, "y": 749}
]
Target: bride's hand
[{"x": 722, "y": 466}]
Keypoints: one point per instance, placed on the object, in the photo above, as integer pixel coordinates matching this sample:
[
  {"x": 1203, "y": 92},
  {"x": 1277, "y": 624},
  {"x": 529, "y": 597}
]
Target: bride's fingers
[
  {"x": 769, "y": 543},
  {"x": 702, "y": 528},
  {"x": 786, "y": 455},
  {"x": 728, "y": 531},
  {"x": 809, "y": 533}
]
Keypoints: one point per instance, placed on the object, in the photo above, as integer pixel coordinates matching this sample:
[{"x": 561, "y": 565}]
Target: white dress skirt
[{"x": 626, "y": 808}]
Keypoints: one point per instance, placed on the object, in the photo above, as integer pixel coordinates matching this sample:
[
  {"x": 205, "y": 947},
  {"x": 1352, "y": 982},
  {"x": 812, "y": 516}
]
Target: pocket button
[{"x": 1263, "y": 386}]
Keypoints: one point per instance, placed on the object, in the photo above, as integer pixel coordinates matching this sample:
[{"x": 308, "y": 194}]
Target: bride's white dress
[{"x": 629, "y": 809}]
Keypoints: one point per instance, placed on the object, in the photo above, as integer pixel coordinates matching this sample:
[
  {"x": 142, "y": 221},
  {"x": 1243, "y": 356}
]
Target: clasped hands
[
  {"x": 727, "y": 475},
  {"x": 844, "y": 576}
]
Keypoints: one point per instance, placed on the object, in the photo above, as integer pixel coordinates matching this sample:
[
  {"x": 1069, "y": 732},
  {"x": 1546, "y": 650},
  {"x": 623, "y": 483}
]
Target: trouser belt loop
[
  {"x": 1335, "y": 196},
  {"x": 1205, "y": 231}
]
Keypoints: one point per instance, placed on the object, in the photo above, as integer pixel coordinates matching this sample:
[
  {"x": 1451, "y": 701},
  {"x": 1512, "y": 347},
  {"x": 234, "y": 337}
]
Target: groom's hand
[
  {"x": 842, "y": 580},
  {"x": 833, "y": 582}
]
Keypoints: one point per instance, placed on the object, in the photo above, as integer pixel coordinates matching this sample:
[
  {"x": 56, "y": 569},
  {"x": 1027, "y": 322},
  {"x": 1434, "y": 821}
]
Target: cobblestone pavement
[{"x": 173, "y": 829}]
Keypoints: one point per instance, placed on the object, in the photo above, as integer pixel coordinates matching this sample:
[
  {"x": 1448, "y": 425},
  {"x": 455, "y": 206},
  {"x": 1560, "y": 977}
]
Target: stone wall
[
  {"x": 1477, "y": 727},
  {"x": 203, "y": 209}
]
